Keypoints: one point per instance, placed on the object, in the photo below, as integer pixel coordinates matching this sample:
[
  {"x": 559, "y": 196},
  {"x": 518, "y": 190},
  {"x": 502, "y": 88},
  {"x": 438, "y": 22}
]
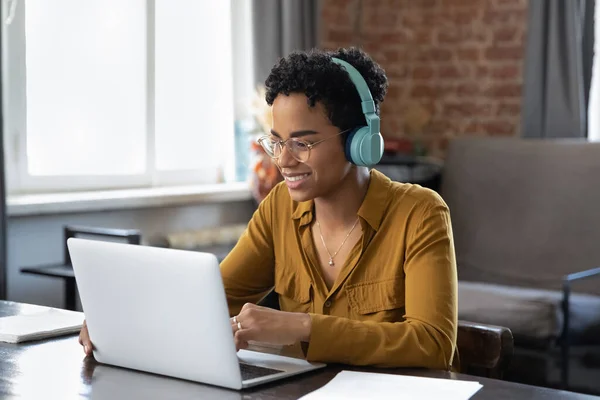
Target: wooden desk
[{"x": 57, "y": 369}]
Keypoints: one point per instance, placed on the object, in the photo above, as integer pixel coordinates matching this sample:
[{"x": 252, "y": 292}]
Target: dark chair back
[
  {"x": 131, "y": 236},
  {"x": 484, "y": 350}
]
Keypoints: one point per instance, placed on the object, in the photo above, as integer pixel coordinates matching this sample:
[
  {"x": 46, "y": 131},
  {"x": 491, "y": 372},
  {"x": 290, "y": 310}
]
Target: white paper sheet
[
  {"x": 39, "y": 325},
  {"x": 350, "y": 385}
]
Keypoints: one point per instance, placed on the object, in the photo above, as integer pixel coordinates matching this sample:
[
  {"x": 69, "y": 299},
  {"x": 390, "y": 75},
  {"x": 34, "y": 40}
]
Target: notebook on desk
[{"x": 42, "y": 324}]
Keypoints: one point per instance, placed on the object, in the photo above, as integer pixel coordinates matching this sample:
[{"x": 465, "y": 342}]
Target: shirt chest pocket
[
  {"x": 381, "y": 301},
  {"x": 294, "y": 289}
]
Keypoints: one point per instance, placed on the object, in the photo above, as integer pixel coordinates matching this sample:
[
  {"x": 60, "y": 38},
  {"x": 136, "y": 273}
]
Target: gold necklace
[{"x": 331, "y": 263}]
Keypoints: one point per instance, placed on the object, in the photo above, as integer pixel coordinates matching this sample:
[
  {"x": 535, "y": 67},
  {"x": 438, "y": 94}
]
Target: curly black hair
[{"x": 321, "y": 80}]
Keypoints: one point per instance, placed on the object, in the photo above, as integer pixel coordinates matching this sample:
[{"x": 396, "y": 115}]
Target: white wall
[{"x": 37, "y": 240}]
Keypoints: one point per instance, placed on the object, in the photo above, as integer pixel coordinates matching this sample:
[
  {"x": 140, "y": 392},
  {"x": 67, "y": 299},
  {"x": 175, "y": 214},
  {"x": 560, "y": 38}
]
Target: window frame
[{"x": 19, "y": 181}]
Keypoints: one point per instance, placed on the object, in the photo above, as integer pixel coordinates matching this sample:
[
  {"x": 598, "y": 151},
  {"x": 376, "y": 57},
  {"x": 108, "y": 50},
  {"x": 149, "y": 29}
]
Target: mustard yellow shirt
[{"x": 394, "y": 303}]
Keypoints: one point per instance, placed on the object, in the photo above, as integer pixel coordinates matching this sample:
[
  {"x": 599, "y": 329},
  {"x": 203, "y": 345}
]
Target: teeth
[{"x": 295, "y": 178}]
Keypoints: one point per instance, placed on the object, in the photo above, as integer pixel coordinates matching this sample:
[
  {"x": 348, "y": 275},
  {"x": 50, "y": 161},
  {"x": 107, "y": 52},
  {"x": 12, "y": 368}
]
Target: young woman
[{"x": 364, "y": 267}]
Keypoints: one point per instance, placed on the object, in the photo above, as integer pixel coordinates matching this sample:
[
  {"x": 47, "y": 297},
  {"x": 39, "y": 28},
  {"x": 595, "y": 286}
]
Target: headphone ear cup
[
  {"x": 348, "y": 144},
  {"x": 361, "y": 146}
]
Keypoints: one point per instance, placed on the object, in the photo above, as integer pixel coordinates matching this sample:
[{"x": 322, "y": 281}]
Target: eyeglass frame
[{"x": 282, "y": 143}]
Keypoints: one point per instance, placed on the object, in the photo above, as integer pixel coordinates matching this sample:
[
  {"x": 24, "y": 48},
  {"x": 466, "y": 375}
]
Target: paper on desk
[
  {"x": 39, "y": 325},
  {"x": 373, "y": 386}
]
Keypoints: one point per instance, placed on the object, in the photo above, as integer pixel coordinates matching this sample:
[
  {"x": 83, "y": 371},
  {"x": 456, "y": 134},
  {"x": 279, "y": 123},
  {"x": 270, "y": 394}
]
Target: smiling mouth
[{"x": 296, "y": 178}]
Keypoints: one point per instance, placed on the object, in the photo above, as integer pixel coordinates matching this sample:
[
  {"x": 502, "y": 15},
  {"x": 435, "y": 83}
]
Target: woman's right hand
[{"x": 84, "y": 340}]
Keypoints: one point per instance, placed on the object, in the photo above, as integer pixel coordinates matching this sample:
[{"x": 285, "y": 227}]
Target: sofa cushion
[{"x": 531, "y": 314}]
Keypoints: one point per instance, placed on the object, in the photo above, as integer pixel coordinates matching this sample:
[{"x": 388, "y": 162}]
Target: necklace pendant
[{"x": 331, "y": 263}]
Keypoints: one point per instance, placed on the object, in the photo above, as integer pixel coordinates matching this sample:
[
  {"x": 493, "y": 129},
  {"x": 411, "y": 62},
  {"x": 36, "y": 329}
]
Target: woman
[{"x": 364, "y": 267}]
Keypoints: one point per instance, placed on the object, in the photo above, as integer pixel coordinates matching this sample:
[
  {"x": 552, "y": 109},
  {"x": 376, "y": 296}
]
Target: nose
[{"x": 286, "y": 160}]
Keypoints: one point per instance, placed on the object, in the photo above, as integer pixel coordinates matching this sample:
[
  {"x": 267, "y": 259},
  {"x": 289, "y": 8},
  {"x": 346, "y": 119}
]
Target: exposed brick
[
  {"x": 459, "y": 109},
  {"x": 519, "y": 4},
  {"x": 448, "y": 37},
  {"x": 468, "y": 54},
  {"x": 452, "y": 72},
  {"x": 468, "y": 89},
  {"x": 466, "y": 35},
  {"x": 499, "y": 17},
  {"x": 422, "y": 37},
  {"x": 460, "y": 60},
  {"x": 467, "y": 109},
  {"x": 439, "y": 127},
  {"x": 482, "y": 71},
  {"x": 463, "y": 18},
  {"x": 492, "y": 128},
  {"x": 423, "y": 73},
  {"x": 396, "y": 55},
  {"x": 505, "y": 34},
  {"x": 462, "y": 3},
  {"x": 498, "y": 128},
  {"x": 340, "y": 36},
  {"x": 393, "y": 38},
  {"x": 498, "y": 53},
  {"x": 435, "y": 54},
  {"x": 339, "y": 18},
  {"x": 423, "y": 91},
  {"x": 509, "y": 71},
  {"x": 509, "y": 110},
  {"x": 380, "y": 21},
  {"x": 504, "y": 90},
  {"x": 432, "y": 91},
  {"x": 473, "y": 128}
]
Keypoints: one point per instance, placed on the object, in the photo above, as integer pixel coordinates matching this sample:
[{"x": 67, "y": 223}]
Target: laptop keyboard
[{"x": 250, "y": 371}]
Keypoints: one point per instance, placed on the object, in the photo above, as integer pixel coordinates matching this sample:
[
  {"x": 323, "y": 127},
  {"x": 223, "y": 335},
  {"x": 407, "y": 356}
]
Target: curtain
[
  {"x": 3, "y": 288},
  {"x": 558, "y": 68},
  {"x": 280, "y": 27}
]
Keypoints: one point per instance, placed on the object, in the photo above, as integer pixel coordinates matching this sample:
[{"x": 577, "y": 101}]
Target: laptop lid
[{"x": 156, "y": 310}]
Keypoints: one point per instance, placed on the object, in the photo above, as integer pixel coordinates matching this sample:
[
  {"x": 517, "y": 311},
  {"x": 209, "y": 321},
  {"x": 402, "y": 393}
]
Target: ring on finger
[
  {"x": 239, "y": 326},
  {"x": 235, "y": 319}
]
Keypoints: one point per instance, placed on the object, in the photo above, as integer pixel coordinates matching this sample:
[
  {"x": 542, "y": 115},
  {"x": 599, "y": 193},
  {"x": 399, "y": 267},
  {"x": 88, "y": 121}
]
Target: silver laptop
[{"x": 164, "y": 311}]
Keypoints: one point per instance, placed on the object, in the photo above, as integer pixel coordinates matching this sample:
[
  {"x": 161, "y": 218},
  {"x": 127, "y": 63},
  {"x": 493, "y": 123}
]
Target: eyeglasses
[{"x": 298, "y": 148}]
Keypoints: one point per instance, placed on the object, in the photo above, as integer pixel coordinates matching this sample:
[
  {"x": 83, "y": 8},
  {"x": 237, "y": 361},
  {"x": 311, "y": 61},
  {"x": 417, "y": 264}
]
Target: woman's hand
[
  {"x": 84, "y": 340},
  {"x": 266, "y": 325}
]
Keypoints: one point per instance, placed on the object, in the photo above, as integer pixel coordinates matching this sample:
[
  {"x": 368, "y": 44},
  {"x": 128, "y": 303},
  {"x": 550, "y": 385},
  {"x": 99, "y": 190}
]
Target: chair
[
  {"x": 484, "y": 350},
  {"x": 65, "y": 271}
]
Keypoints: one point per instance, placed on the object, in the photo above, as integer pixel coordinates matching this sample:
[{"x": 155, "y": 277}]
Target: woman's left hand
[{"x": 266, "y": 325}]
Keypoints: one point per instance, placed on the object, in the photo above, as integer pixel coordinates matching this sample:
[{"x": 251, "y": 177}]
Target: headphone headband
[{"x": 368, "y": 105}]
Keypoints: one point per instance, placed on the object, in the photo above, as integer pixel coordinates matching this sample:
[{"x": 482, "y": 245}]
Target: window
[
  {"x": 594, "y": 106},
  {"x": 108, "y": 94}
]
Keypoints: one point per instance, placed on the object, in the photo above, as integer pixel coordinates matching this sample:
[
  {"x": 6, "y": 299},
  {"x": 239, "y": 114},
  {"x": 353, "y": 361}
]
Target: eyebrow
[{"x": 296, "y": 133}]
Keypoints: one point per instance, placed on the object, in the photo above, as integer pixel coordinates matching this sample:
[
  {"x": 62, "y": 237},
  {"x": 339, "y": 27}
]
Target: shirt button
[{"x": 327, "y": 304}]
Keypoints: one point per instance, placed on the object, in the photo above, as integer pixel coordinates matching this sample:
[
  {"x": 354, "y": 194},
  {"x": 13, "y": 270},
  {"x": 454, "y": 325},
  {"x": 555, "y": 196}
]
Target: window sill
[{"x": 59, "y": 203}]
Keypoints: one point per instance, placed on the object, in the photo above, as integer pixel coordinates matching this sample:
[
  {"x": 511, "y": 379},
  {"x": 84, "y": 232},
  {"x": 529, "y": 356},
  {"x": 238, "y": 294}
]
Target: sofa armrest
[{"x": 565, "y": 339}]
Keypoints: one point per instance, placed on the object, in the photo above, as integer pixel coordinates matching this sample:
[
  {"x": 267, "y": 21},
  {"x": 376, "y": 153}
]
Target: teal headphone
[{"x": 364, "y": 144}]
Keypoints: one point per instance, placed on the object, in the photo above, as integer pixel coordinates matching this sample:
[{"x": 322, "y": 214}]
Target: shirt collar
[
  {"x": 371, "y": 210},
  {"x": 373, "y": 206}
]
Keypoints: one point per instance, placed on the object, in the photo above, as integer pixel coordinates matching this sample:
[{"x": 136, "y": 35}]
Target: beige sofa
[{"x": 525, "y": 215}]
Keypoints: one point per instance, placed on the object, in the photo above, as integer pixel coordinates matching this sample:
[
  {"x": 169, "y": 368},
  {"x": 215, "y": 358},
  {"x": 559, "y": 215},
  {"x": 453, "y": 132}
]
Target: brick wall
[{"x": 455, "y": 66}]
